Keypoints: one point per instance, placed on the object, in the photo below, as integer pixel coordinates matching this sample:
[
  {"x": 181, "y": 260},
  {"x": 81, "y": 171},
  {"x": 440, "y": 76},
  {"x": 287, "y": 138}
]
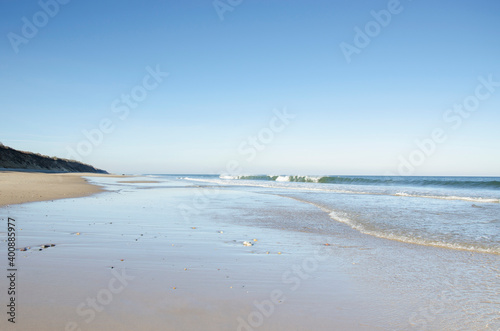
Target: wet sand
[
  {"x": 173, "y": 258},
  {"x": 138, "y": 181},
  {"x": 129, "y": 260}
]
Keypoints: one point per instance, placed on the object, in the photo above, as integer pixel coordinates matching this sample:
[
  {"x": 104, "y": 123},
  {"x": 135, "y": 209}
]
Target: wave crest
[{"x": 450, "y": 182}]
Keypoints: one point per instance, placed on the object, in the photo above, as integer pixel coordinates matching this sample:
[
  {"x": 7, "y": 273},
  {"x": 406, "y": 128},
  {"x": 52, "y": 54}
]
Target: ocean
[
  {"x": 426, "y": 250},
  {"x": 449, "y": 212}
]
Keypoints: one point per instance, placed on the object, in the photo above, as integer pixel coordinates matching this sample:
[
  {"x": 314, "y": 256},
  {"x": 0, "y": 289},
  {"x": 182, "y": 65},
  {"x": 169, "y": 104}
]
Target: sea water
[
  {"x": 426, "y": 248},
  {"x": 450, "y": 212}
]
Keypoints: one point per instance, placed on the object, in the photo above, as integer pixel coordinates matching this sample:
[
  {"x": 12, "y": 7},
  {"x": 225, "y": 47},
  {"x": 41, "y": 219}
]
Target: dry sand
[{"x": 20, "y": 187}]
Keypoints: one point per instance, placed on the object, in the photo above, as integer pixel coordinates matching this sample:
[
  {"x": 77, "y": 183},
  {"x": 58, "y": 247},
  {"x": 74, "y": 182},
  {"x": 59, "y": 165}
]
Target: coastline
[
  {"x": 146, "y": 254},
  {"x": 176, "y": 273},
  {"x": 18, "y": 187}
]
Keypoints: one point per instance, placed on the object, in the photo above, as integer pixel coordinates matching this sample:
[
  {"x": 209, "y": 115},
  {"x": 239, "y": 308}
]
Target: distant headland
[{"x": 12, "y": 159}]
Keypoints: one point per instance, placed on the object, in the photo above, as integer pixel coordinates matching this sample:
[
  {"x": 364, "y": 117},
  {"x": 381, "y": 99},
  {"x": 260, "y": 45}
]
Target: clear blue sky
[{"x": 226, "y": 77}]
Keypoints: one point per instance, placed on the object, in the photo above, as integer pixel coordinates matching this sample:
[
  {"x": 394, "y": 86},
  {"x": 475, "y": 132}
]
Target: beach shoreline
[
  {"x": 194, "y": 273},
  {"x": 149, "y": 254},
  {"x": 18, "y": 187}
]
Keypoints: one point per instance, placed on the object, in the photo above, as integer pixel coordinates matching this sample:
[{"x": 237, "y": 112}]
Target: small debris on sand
[
  {"x": 41, "y": 247},
  {"x": 247, "y": 243}
]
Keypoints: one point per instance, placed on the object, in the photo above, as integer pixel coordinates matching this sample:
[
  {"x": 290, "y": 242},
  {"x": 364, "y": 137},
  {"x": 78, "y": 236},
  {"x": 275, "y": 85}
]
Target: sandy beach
[
  {"x": 166, "y": 272},
  {"x": 292, "y": 165},
  {"x": 21, "y": 187},
  {"x": 167, "y": 254}
]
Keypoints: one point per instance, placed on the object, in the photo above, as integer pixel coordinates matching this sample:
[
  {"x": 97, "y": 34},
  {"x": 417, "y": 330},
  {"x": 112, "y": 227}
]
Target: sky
[{"x": 255, "y": 86}]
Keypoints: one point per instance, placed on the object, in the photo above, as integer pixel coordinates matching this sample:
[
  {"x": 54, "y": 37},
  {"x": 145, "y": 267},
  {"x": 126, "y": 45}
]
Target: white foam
[
  {"x": 226, "y": 177},
  {"x": 411, "y": 240},
  {"x": 283, "y": 179},
  {"x": 449, "y": 197},
  {"x": 281, "y": 182},
  {"x": 362, "y": 228}
]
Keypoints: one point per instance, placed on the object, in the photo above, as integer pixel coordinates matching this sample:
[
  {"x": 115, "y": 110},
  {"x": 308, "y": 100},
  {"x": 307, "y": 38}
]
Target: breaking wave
[{"x": 451, "y": 182}]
